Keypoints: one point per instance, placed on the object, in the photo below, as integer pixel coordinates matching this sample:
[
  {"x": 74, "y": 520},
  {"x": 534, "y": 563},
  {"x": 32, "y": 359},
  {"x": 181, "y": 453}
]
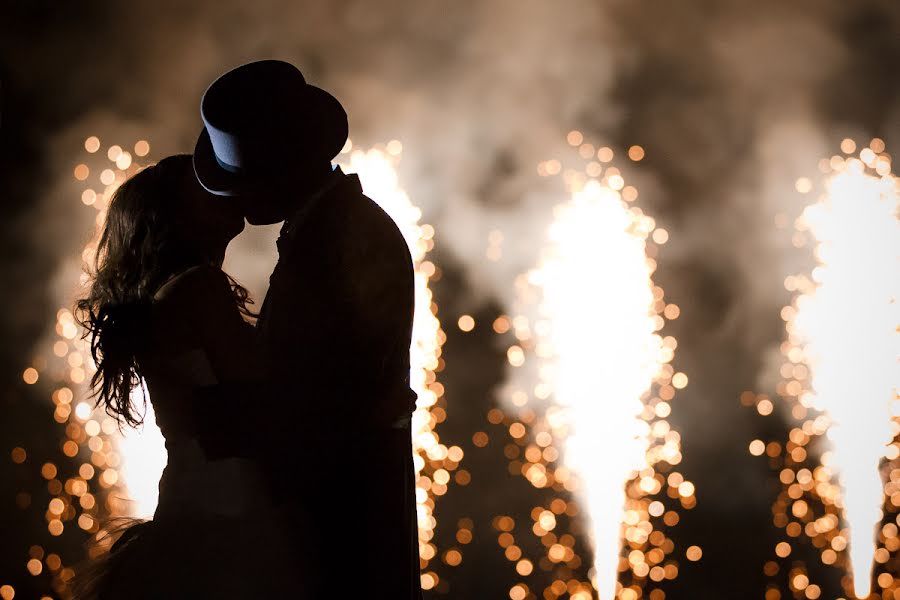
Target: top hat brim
[
  {"x": 211, "y": 175},
  {"x": 331, "y": 130}
]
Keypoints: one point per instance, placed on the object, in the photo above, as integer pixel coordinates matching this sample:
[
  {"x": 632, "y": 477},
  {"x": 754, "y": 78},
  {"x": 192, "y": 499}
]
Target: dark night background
[{"x": 732, "y": 101}]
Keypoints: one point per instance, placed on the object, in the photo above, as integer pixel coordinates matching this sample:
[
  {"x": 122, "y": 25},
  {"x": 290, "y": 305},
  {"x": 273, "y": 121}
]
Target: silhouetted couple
[{"x": 290, "y": 468}]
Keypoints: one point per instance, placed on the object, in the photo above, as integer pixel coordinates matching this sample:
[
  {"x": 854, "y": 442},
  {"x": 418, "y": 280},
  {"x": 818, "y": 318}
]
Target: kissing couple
[{"x": 290, "y": 469}]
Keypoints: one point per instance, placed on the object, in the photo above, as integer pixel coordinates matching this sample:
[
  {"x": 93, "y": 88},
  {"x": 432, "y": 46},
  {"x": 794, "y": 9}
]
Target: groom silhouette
[{"x": 331, "y": 424}]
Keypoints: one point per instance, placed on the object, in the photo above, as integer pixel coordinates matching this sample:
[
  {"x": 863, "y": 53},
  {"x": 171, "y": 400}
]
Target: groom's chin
[{"x": 237, "y": 230}]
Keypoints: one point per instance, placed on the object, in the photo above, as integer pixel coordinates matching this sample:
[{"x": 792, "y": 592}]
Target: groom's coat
[{"x": 335, "y": 328}]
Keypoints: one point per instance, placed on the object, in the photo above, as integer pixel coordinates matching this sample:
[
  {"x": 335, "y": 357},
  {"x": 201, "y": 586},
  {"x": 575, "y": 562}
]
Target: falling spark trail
[
  {"x": 846, "y": 325},
  {"x": 599, "y": 299}
]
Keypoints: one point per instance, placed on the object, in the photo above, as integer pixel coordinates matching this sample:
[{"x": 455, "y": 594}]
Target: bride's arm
[
  {"x": 230, "y": 342},
  {"x": 199, "y": 311},
  {"x": 224, "y": 414}
]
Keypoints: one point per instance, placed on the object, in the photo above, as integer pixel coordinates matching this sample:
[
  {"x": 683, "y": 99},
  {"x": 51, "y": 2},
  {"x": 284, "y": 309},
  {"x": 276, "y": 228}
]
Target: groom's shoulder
[
  {"x": 383, "y": 228},
  {"x": 354, "y": 224},
  {"x": 364, "y": 213}
]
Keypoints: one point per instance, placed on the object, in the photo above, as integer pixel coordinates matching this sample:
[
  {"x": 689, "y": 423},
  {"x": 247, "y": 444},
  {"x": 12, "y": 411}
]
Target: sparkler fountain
[
  {"x": 603, "y": 358},
  {"x": 596, "y": 292},
  {"x": 843, "y": 326}
]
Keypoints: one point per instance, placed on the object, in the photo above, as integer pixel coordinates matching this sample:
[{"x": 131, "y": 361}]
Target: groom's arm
[{"x": 379, "y": 284}]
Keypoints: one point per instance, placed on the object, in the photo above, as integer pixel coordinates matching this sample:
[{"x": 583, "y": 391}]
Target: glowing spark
[
  {"x": 599, "y": 299},
  {"x": 846, "y": 326}
]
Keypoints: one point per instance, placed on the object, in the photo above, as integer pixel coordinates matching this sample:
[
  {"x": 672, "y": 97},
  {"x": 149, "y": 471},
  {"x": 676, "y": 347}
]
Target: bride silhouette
[{"x": 161, "y": 310}]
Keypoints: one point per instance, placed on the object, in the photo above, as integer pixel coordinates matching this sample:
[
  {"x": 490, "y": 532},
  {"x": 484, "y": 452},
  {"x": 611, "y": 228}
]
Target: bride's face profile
[
  {"x": 212, "y": 221},
  {"x": 161, "y": 221}
]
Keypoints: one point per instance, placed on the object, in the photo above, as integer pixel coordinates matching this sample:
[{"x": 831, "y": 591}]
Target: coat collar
[{"x": 294, "y": 223}]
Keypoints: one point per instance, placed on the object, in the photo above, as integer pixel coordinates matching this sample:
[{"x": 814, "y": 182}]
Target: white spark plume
[
  {"x": 847, "y": 328},
  {"x": 598, "y": 297}
]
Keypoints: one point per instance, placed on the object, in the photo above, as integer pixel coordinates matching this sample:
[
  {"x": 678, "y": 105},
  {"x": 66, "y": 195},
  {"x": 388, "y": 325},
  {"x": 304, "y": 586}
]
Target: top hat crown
[{"x": 261, "y": 120}]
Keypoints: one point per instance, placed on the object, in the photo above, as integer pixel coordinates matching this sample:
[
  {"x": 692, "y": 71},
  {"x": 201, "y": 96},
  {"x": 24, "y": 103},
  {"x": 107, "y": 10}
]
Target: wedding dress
[{"x": 215, "y": 532}]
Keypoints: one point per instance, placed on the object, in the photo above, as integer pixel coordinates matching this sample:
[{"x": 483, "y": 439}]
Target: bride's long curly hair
[{"x": 144, "y": 243}]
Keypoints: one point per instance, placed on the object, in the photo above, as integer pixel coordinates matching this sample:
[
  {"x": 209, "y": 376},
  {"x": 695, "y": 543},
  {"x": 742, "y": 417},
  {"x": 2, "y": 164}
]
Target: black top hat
[{"x": 261, "y": 120}]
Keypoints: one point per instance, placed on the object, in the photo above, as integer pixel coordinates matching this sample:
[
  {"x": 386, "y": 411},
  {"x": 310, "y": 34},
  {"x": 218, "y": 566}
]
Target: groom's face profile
[
  {"x": 276, "y": 200},
  {"x": 263, "y": 207}
]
